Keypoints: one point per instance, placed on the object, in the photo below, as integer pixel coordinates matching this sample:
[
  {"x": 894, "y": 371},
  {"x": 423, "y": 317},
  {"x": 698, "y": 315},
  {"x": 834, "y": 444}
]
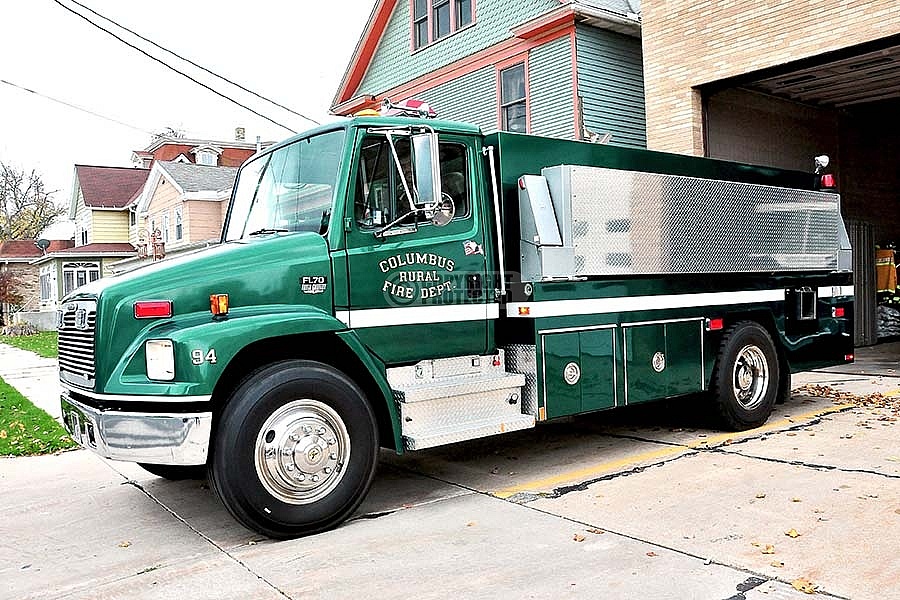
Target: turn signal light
[
  {"x": 715, "y": 324},
  {"x": 152, "y": 309},
  {"x": 837, "y": 311},
  {"x": 524, "y": 311},
  {"x": 218, "y": 304},
  {"x": 828, "y": 181}
]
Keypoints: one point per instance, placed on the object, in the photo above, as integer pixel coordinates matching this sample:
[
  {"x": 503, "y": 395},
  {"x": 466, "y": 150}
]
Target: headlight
[{"x": 160, "y": 360}]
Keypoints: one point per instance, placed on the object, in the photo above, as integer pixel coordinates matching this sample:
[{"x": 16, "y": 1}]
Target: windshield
[{"x": 290, "y": 189}]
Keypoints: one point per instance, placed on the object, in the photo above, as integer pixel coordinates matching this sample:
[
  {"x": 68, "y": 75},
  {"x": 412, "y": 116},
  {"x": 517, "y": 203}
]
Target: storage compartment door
[
  {"x": 598, "y": 378},
  {"x": 562, "y": 374},
  {"x": 644, "y": 347},
  {"x": 684, "y": 357}
]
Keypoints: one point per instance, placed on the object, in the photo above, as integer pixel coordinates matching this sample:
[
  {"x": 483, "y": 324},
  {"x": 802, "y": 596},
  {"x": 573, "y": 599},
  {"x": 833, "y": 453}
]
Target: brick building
[{"x": 776, "y": 83}]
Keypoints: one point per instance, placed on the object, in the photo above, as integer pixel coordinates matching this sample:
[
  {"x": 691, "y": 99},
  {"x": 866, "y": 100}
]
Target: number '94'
[{"x": 198, "y": 357}]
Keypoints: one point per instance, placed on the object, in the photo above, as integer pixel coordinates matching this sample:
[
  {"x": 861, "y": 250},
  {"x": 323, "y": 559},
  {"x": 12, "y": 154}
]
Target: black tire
[
  {"x": 287, "y": 420},
  {"x": 784, "y": 381},
  {"x": 176, "y": 472},
  {"x": 746, "y": 378}
]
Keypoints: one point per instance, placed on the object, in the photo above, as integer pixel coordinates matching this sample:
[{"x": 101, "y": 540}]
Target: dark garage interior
[{"x": 845, "y": 104}]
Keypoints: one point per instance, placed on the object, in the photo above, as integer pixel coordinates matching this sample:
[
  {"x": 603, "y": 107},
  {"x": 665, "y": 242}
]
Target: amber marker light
[
  {"x": 524, "y": 311},
  {"x": 218, "y": 304},
  {"x": 152, "y": 309}
]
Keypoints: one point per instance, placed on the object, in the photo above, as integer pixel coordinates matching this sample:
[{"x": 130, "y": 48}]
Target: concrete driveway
[{"x": 640, "y": 503}]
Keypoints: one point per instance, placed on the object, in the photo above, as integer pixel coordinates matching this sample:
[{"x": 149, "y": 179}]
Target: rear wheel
[
  {"x": 175, "y": 472},
  {"x": 295, "y": 450},
  {"x": 746, "y": 378}
]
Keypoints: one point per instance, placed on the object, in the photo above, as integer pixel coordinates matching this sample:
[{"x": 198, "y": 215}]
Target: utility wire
[
  {"x": 76, "y": 107},
  {"x": 190, "y": 62},
  {"x": 168, "y": 66}
]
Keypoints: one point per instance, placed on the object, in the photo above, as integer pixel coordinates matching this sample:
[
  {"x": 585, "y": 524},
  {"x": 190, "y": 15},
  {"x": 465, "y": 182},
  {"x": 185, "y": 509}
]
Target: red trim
[
  {"x": 548, "y": 22},
  {"x": 368, "y": 43},
  {"x": 493, "y": 55}
]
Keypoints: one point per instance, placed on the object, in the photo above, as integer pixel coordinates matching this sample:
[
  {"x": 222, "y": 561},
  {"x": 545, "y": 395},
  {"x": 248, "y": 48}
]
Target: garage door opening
[{"x": 845, "y": 104}]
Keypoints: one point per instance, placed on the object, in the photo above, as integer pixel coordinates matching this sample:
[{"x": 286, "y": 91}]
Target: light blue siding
[
  {"x": 611, "y": 84},
  {"x": 393, "y": 63},
  {"x": 471, "y": 98},
  {"x": 551, "y": 94}
]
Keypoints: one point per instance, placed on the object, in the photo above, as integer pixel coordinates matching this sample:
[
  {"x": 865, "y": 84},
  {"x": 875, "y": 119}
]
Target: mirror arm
[
  {"x": 409, "y": 198},
  {"x": 390, "y": 225}
]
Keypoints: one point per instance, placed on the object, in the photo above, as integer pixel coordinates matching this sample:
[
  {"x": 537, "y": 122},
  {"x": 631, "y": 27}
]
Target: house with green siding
[{"x": 563, "y": 68}]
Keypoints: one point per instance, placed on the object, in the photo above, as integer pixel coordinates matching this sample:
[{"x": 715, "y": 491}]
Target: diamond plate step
[
  {"x": 462, "y": 385},
  {"x": 459, "y": 398},
  {"x": 475, "y": 429}
]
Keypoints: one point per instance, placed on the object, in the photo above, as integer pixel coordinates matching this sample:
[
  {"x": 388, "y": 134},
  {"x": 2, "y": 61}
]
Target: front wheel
[
  {"x": 295, "y": 450},
  {"x": 745, "y": 381}
]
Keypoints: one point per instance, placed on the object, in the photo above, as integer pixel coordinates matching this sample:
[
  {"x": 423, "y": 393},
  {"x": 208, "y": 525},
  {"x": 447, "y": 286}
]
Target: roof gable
[
  {"x": 382, "y": 58},
  {"x": 108, "y": 187}
]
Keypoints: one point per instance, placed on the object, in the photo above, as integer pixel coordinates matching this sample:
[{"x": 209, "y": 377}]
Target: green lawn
[
  {"x": 43, "y": 343},
  {"x": 26, "y": 429}
]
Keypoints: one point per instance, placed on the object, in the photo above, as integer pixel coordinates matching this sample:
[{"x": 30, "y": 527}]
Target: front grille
[{"x": 76, "y": 342}]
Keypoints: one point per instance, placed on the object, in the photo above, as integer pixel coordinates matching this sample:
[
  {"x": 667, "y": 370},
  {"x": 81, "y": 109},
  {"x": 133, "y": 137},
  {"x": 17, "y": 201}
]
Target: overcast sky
[{"x": 292, "y": 51}]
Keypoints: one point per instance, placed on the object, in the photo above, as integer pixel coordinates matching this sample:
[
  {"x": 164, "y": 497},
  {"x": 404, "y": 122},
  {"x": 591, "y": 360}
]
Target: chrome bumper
[{"x": 162, "y": 439}]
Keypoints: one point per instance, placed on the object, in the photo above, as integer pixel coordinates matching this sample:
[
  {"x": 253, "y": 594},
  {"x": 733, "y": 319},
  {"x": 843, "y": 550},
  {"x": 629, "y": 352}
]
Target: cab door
[{"x": 416, "y": 290}]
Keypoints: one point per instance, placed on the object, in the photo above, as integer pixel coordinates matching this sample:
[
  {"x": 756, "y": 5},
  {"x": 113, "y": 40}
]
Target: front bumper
[{"x": 155, "y": 438}]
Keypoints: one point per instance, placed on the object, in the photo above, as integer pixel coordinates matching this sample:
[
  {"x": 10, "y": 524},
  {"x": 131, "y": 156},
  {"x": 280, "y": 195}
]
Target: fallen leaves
[
  {"x": 652, "y": 553},
  {"x": 804, "y": 585},
  {"x": 792, "y": 533},
  {"x": 777, "y": 564},
  {"x": 767, "y": 549},
  {"x": 124, "y": 544},
  {"x": 875, "y": 400},
  {"x": 578, "y": 537},
  {"x": 760, "y": 495}
]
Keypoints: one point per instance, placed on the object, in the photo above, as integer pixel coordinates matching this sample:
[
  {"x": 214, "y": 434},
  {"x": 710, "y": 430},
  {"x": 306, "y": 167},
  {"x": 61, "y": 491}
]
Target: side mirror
[{"x": 428, "y": 168}]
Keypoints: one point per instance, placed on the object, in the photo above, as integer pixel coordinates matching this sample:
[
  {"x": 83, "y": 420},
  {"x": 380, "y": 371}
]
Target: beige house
[
  {"x": 98, "y": 206},
  {"x": 181, "y": 207}
]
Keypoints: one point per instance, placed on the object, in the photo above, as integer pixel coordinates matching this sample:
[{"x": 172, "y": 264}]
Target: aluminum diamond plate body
[
  {"x": 522, "y": 358},
  {"x": 453, "y": 399},
  {"x": 632, "y": 222}
]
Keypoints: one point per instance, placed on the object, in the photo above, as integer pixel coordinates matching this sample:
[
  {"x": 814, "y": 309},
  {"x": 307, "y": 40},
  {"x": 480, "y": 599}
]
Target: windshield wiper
[{"x": 265, "y": 230}]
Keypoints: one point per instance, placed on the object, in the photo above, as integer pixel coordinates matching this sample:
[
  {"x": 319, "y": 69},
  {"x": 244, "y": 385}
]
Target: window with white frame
[
  {"x": 513, "y": 99},
  {"x": 132, "y": 217},
  {"x": 76, "y": 275},
  {"x": 45, "y": 286},
  {"x": 436, "y": 19},
  {"x": 165, "y": 226},
  {"x": 207, "y": 157},
  {"x": 179, "y": 223}
]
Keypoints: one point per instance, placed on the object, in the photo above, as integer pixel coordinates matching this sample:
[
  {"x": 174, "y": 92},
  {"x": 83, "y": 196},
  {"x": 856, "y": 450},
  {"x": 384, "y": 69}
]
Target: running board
[{"x": 448, "y": 400}]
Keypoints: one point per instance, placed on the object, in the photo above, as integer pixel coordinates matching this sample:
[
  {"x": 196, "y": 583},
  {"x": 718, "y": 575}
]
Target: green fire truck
[{"x": 406, "y": 283}]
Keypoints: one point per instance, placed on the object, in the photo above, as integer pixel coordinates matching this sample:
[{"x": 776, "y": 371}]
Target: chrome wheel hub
[
  {"x": 301, "y": 451},
  {"x": 750, "y": 379}
]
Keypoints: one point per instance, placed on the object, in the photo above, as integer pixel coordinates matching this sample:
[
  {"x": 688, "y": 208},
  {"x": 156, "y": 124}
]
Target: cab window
[{"x": 380, "y": 195}]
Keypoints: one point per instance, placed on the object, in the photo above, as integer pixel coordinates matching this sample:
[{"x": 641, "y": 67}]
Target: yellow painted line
[
  {"x": 578, "y": 475},
  {"x": 892, "y": 393}
]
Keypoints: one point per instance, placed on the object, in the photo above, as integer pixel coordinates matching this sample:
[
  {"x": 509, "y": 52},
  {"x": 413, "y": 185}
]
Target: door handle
[{"x": 473, "y": 285}]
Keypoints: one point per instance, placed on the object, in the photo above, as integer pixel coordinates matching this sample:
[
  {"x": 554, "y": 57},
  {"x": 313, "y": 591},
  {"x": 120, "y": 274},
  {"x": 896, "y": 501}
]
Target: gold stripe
[{"x": 578, "y": 475}]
